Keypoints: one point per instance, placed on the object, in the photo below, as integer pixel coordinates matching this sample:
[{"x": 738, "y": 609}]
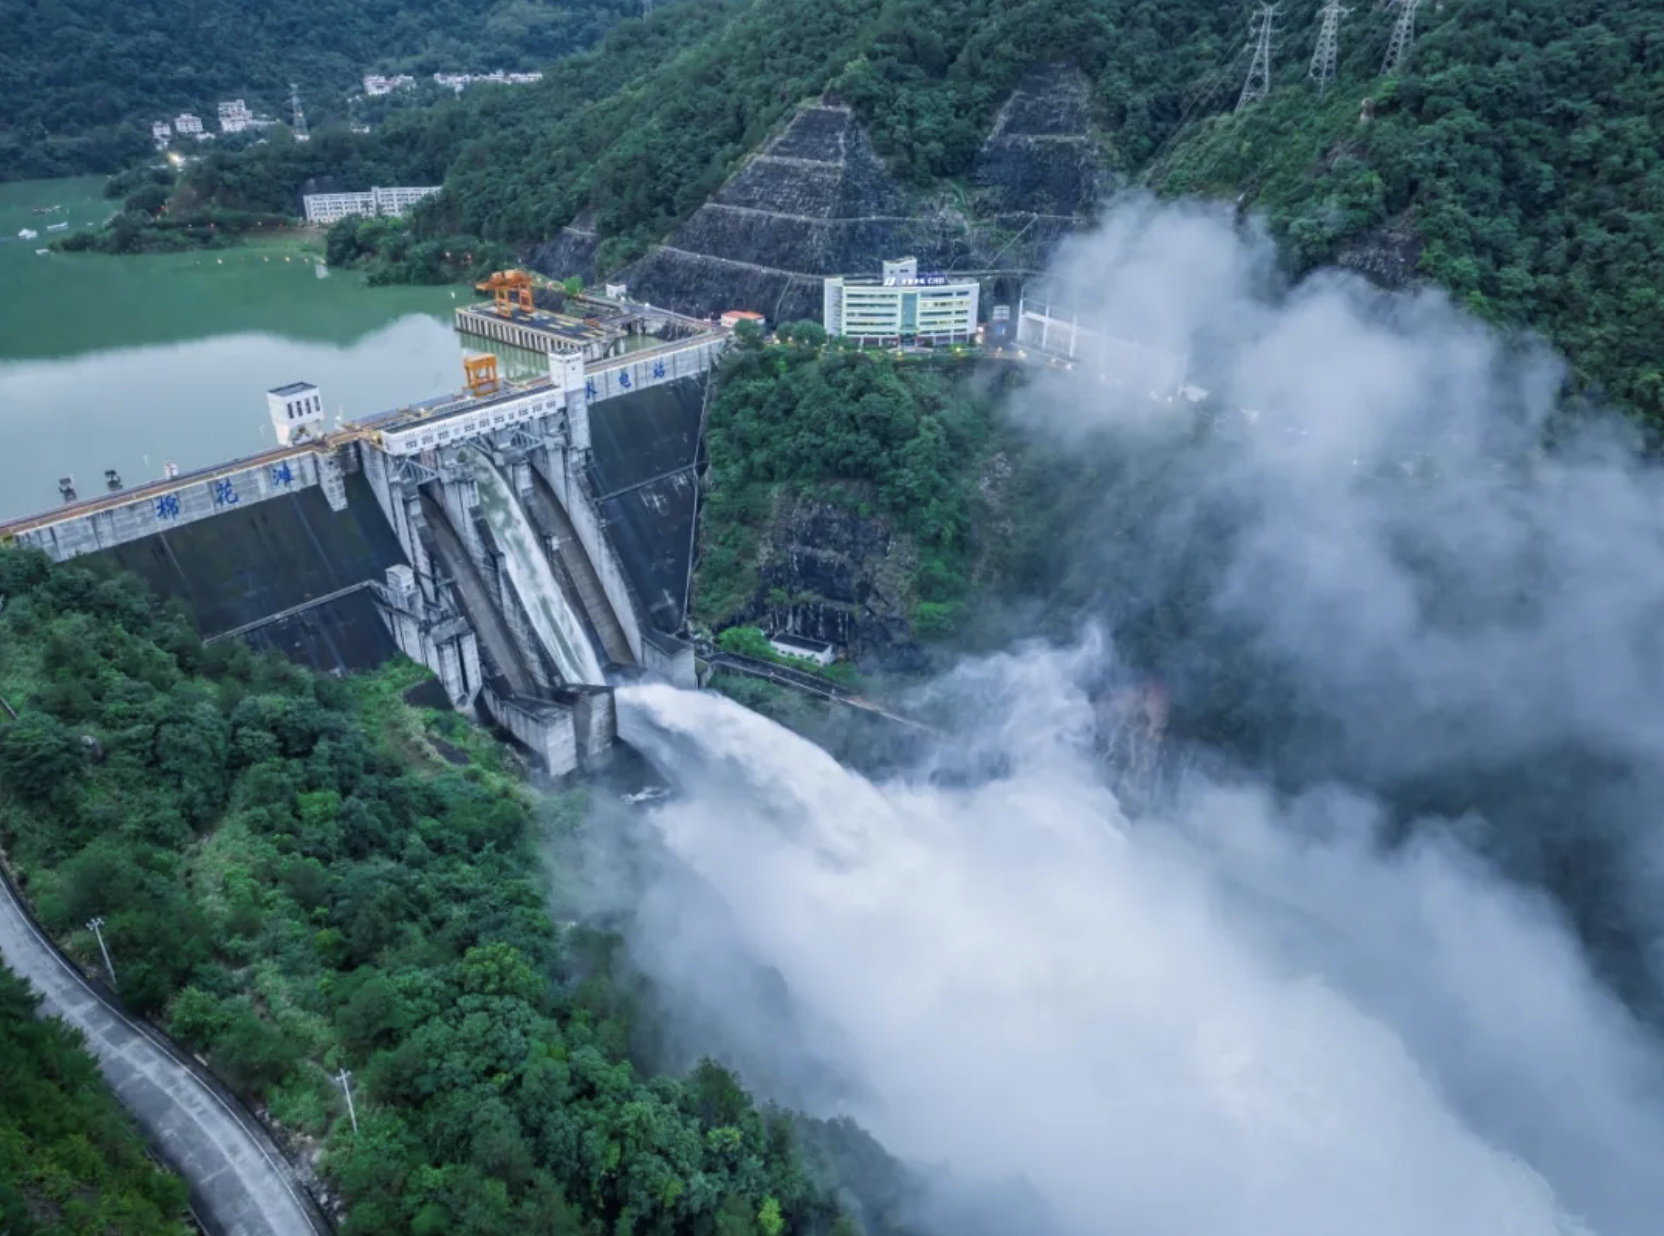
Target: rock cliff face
[
  {"x": 570, "y": 252},
  {"x": 1038, "y": 177},
  {"x": 830, "y": 574},
  {"x": 1387, "y": 256},
  {"x": 815, "y": 201}
]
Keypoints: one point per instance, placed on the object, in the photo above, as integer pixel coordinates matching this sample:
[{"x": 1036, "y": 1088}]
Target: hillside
[
  {"x": 307, "y": 874},
  {"x": 82, "y": 80},
  {"x": 1514, "y": 159}
]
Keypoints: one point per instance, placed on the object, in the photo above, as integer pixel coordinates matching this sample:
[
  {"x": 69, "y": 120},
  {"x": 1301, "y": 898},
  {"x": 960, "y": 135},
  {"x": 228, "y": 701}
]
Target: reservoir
[{"x": 134, "y": 363}]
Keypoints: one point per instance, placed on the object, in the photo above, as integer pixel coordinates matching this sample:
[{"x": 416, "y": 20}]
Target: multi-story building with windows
[
  {"x": 901, "y": 306},
  {"x": 326, "y": 208}
]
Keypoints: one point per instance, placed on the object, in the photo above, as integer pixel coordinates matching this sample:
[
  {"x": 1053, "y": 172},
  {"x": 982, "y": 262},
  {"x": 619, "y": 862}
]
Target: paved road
[{"x": 240, "y": 1183}]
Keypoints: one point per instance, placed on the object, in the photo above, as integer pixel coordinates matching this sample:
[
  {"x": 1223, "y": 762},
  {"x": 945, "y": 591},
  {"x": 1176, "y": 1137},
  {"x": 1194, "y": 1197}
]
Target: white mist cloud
[
  {"x": 1212, "y": 1024},
  {"x": 1246, "y": 1014}
]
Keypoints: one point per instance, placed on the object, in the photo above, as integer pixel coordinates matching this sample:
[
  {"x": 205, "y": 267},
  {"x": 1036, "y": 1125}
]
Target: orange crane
[{"x": 507, "y": 286}]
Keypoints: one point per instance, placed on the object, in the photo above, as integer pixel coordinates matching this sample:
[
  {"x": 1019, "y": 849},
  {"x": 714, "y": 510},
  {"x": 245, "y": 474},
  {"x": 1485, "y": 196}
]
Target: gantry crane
[{"x": 507, "y": 287}]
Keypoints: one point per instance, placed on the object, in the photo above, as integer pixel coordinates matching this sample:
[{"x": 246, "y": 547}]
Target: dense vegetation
[
  {"x": 71, "y": 1163},
  {"x": 82, "y": 80},
  {"x": 882, "y": 435},
  {"x": 300, "y": 874},
  {"x": 1521, "y": 151},
  {"x": 1515, "y": 159}
]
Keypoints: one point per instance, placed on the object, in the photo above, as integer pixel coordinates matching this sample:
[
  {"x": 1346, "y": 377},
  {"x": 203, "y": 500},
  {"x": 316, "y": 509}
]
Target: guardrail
[
  {"x": 256, "y": 1129},
  {"x": 121, "y": 497}
]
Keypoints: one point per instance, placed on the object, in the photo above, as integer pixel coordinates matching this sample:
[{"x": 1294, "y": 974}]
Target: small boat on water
[
  {"x": 57, "y": 227},
  {"x": 27, "y": 233},
  {"x": 44, "y": 252}
]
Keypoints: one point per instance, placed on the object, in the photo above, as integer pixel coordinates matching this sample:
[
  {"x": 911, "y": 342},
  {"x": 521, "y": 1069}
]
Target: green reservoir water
[{"x": 136, "y": 362}]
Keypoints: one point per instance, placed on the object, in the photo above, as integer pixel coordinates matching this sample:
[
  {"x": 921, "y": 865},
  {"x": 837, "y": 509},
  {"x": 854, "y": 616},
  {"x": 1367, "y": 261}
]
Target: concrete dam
[{"x": 528, "y": 541}]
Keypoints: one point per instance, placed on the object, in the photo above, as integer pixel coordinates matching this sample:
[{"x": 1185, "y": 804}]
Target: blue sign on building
[
  {"x": 225, "y": 494},
  {"x": 281, "y": 474},
  {"x": 167, "y": 506},
  {"x": 589, "y": 388},
  {"x": 624, "y": 378},
  {"x": 658, "y": 369}
]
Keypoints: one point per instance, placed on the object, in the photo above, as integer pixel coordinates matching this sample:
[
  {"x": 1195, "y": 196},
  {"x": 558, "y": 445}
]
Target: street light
[{"x": 96, "y": 925}]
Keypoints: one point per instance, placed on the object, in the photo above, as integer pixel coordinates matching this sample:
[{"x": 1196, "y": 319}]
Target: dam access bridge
[{"x": 527, "y": 541}]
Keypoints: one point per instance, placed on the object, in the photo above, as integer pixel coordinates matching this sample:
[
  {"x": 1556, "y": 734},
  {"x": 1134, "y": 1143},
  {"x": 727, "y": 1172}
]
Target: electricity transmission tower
[
  {"x": 1403, "y": 35},
  {"x": 1328, "y": 45},
  {"x": 299, "y": 124},
  {"x": 1259, "y": 69}
]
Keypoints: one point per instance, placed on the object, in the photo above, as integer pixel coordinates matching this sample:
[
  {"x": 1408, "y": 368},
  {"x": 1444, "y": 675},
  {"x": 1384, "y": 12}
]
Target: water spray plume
[{"x": 1342, "y": 982}]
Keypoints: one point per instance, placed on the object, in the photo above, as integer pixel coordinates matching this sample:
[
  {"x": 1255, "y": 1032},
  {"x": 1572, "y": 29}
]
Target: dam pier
[{"x": 528, "y": 541}]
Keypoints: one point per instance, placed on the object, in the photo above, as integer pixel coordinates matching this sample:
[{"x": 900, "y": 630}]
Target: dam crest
[{"x": 529, "y": 541}]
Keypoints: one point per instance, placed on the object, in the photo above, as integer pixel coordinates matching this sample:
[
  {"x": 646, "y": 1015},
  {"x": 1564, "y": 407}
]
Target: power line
[
  {"x": 1327, "y": 52},
  {"x": 1259, "y": 69},
  {"x": 1403, "y": 35}
]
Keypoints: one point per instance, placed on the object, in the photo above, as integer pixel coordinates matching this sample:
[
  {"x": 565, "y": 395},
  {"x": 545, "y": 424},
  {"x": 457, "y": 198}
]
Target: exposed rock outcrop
[
  {"x": 1039, "y": 175},
  {"x": 830, "y": 574},
  {"x": 1386, "y": 255},
  {"x": 570, "y": 252},
  {"x": 815, "y": 201}
]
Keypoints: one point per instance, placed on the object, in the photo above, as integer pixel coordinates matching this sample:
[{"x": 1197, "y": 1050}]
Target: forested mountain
[
  {"x": 1514, "y": 159},
  {"x": 82, "y": 80}
]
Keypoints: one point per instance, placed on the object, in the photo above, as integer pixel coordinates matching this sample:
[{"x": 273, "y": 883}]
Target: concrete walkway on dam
[{"x": 240, "y": 1184}]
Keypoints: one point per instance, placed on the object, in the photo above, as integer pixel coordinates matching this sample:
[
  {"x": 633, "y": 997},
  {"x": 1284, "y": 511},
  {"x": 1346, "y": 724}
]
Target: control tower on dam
[{"x": 528, "y": 541}]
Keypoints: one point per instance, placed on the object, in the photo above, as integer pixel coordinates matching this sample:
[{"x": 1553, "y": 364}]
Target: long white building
[
  {"x": 901, "y": 306},
  {"x": 325, "y": 208}
]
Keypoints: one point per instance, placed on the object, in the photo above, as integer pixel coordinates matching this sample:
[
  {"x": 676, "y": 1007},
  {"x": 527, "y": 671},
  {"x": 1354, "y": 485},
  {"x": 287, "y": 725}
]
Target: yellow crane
[{"x": 508, "y": 287}]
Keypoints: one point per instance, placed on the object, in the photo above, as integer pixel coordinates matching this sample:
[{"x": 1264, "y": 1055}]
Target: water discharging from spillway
[
  {"x": 559, "y": 629},
  {"x": 1007, "y": 976}
]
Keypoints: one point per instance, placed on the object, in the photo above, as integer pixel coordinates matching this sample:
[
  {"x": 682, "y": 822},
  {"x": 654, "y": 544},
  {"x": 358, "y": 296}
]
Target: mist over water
[{"x": 1387, "y": 967}]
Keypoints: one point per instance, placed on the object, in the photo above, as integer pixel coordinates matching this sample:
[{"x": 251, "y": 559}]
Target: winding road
[{"x": 240, "y": 1184}]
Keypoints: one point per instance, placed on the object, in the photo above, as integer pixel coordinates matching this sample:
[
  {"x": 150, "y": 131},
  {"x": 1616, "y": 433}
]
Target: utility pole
[
  {"x": 96, "y": 925},
  {"x": 345, "y": 1078},
  {"x": 1328, "y": 45},
  {"x": 298, "y": 124},
  {"x": 1259, "y": 69},
  {"x": 1403, "y": 35}
]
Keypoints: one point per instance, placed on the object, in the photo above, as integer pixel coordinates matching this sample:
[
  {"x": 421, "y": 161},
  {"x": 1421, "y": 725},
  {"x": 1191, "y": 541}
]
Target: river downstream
[{"x": 133, "y": 363}]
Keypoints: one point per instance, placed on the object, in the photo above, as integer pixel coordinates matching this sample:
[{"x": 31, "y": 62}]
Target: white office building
[
  {"x": 187, "y": 125},
  {"x": 161, "y": 132},
  {"x": 326, "y": 208},
  {"x": 901, "y": 306}
]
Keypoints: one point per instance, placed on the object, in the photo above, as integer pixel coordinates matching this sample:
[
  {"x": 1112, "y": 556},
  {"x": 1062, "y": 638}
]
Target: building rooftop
[
  {"x": 578, "y": 331},
  {"x": 795, "y": 641},
  {"x": 441, "y": 406},
  {"x": 292, "y": 388}
]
